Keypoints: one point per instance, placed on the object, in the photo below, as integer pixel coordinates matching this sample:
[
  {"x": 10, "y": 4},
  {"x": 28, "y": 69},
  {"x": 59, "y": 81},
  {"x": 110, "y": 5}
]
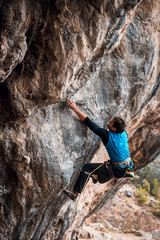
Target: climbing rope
[
  {"x": 129, "y": 175},
  {"x": 87, "y": 173}
]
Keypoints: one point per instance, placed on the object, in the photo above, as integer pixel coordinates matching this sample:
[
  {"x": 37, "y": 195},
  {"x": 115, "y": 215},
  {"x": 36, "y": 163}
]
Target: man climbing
[{"x": 116, "y": 143}]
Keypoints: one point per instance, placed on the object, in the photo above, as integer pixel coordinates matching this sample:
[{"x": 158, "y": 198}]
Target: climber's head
[{"x": 117, "y": 125}]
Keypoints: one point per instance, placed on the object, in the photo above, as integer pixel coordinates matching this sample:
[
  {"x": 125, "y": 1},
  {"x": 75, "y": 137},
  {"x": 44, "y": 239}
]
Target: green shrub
[
  {"x": 142, "y": 200},
  {"x": 146, "y": 185},
  {"x": 156, "y": 188},
  {"x": 156, "y": 209},
  {"x": 149, "y": 173},
  {"x": 142, "y": 196}
]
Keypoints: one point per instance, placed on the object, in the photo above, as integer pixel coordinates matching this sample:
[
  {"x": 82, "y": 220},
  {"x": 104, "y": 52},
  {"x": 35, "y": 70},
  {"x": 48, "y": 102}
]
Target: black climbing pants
[{"x": 102, "y": 172}]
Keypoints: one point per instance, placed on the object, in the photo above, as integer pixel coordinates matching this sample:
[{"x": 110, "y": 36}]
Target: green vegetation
[
  {"x": 156, "y": 209},
  {"x": 149, "y": 179},
  {"x": 156, "y": 188},
  {"x": 142, "y": 196},
  {"x": 148, "y": 184}
]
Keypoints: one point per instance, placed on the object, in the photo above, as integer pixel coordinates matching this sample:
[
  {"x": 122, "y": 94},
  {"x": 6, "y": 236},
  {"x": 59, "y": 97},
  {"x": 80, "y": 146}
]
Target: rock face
[{"x": 102, "y": 54}]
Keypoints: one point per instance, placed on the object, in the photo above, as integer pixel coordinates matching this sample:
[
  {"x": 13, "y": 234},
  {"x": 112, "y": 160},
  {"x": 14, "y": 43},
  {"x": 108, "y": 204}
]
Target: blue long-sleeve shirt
[{"x": 116, "y": 143}]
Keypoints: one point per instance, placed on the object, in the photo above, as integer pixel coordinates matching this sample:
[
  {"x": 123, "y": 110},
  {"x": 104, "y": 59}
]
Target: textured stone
[
  {"x": 156, "y": 234},
  {"x": 102, "y": 54}
]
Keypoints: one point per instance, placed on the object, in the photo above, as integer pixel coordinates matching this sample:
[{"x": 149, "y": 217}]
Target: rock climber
[{"x": 116, "y": 143}]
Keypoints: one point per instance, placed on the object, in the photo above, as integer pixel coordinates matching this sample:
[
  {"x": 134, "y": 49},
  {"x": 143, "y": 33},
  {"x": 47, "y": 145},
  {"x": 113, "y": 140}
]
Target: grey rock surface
[
  {"x": 105, "y": 56},
  {"x": 156, "y": 234}
]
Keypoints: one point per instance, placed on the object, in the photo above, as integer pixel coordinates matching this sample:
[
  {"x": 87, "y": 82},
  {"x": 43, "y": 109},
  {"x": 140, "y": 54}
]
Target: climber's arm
[
  {"x": 101, "y": 132},
  {"x": 72, "y": 105}
]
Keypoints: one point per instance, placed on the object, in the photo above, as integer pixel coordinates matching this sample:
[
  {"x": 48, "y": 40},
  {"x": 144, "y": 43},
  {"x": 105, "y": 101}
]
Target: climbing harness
[
  {"x": 109, "y": 167},
  {"x": 129, "y": 174},
  {"x": 126, "y": 162}
]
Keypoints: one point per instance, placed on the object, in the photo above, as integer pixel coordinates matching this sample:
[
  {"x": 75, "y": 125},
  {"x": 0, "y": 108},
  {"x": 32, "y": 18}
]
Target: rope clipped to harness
[
  {"x": 109, "y": 167},
  {"x": 129, "y": 174}
]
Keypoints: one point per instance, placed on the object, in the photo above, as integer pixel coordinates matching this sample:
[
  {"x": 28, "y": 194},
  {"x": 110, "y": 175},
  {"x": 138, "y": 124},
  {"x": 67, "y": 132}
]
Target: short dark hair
[{"x": 119, "y": 124}]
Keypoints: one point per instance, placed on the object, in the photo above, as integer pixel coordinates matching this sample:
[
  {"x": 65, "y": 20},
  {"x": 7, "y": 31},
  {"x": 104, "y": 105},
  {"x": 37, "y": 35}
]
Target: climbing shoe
[{"x": 70, "y": 195}]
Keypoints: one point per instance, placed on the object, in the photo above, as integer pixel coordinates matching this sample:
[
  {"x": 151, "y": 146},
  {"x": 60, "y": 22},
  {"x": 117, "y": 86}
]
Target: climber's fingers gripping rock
[{"x": 71, "y": 105}]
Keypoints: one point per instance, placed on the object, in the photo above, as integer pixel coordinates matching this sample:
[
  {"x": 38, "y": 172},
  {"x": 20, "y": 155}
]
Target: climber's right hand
[{"x": 71, "y": 105}]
